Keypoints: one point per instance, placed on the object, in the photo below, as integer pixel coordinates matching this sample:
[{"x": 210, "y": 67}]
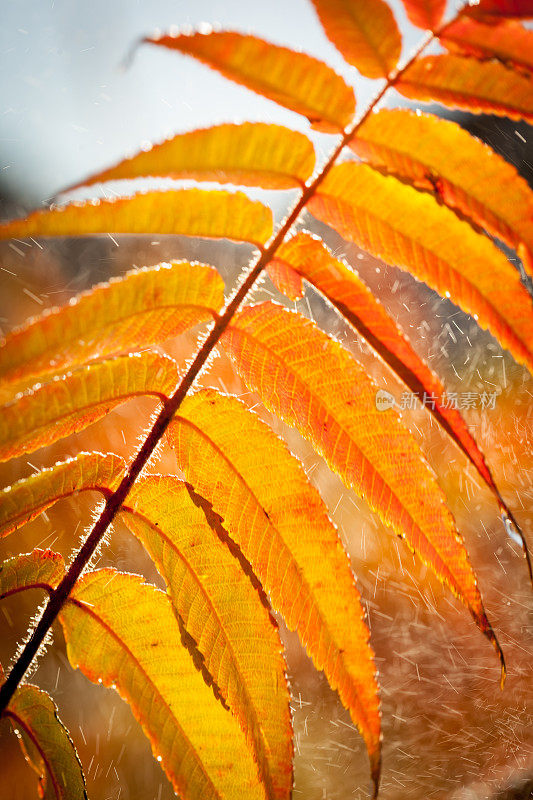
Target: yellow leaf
[
  {"x": 123, "y": 633},
  {"x": 251, "y": 154},
  {"x": 141, "y": 308},
  {"x": 188, "y": 212},
  {"x": 71, "y": 403},
  {"x": 410, "y": 230},
  {"x": 440, "y": 156},
  {"x": 41, "y": 569},
  {"x": 46, "y": 744},
  {"x": 461, "y": 82},
  {"x": 27, "y": 498},
  {"x": 278, "y": 520},
  {"x": 364, "y": 31},
  {"x": 224, "y": 614},
  {"x": 294, "y": 80},
  {"x": 315, "y": 385}
]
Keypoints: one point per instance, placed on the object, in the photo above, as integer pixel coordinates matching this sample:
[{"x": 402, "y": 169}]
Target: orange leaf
[
  {"x": 506, "y": 40},
  {"x": 438, "y": 155},
  {"x": 410, "y": 230},
  {"x": 307, "y": 257},
  {"x": 123, "y": 633},
  {"x": 41, "y": 569},
  {"x": 251, "y": 154},
  {"x": 426, "y": 14},
  {"x": 278, "y": 520},
  {"x": 315, "y": 385},
  {"x": 364, "y": 31},
  {"x": 27, "y": 498},
  {"x": 141, "y": 308},
  {"x": 224, "y": 614},
  {"x": 461, "y": 82},
  {"x": 294, "y": 80},
  {"x": 47, "y": 413},
  {"x": 188, "y": 212},
  {"x": 46, "y": 744}
]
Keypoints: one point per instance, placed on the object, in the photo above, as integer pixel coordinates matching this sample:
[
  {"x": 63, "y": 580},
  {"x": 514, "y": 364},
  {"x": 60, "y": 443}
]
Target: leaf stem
[{"x": 114, "y": 501}]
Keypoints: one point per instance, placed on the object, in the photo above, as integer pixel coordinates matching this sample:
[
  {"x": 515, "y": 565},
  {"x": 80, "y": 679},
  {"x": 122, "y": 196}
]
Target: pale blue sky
[{"x": 67, "y": 107}]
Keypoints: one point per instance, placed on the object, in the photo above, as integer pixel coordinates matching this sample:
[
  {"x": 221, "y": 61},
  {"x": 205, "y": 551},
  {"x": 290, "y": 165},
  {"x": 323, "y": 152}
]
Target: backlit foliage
[{"x": 239, "y": 531}]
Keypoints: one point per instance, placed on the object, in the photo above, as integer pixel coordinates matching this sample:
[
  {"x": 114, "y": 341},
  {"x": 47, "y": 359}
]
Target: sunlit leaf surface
[
  {"x": 438, "y": 155},
  {"x": 466, "y": 83},
  {"x": 430, "y": 242},
  {"x": 74, "y": 401},
  {"x": 315, "y": 385},
  {"x": 189, "y": 212},
  {"x": 251, "y": 154},
  {"x": 278, "y": 520},
  {"x": 224, "y": 614},
  {"x": 294, "y": 80},
  {"x": 31, "y": 496},
  {"x": 508, "y": 41},
  {"x": 143, "y": 307},
  {"x": 123, "y": 633},
  {"x": 364, "y": 31},
  {"x": 40, "y": 569},
  {"x": 425, "y": 13},
  {"x": 46, "y": 744}
]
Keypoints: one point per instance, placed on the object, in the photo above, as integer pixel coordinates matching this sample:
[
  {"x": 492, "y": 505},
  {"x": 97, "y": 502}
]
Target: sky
[{"x": 69, "y": 105}]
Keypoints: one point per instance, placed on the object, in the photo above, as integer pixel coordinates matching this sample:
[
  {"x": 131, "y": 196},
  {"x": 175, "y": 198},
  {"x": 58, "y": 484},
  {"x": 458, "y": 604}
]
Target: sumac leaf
[
  {"x": 224, "y": 614},
  {"x": 46, "y": 744},
  {"x": 251, "y": 154},
  {"x": 41, "y": 569},
  {"x": 27, "y": 498},
  {"x": 508, "y": 41},
  {"x": 438, "y": 155},
  {"x": 364, "y": 31},
  {"x": 123, "y": 633},
  {"x": 466, "y": 83},
  {"x": 278, "y": 520},
  {"x": 294, "y": 80},
  {"x": 315, "y": 385},
  {"x": 74, "y": 401},
  {"x": 143, "y": 307},
  {"x": 425, "y": 14},
  {"x": 188, "y": 212},
  {"x": 410, "y": 230}
]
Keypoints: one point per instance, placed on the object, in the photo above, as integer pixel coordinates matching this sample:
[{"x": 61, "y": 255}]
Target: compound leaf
[
  {"x": 438, "y": 155},
  {"x": 223, "y": 612},
  {"x": 46, "y": 744},
  {"x": 188, "y": 212},
  {"x": 123, "y": 633},
  {"x": 315, "y": 385},
  {"x": 278, "y": 520},
  {"x": 430, "y": 242},
  {"x": 294, "y": 80},
  {"x": 70, "y": 403},
  {"x": 364, "y": 31},
  {"x": 251, "y": 154},
  {"x": 461, "y": 82},
  {"x": 143, "y": 307}
]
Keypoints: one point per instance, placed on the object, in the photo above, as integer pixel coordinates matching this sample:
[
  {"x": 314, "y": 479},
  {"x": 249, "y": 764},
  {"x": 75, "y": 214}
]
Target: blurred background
[{"x": 74, "y": 100}]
